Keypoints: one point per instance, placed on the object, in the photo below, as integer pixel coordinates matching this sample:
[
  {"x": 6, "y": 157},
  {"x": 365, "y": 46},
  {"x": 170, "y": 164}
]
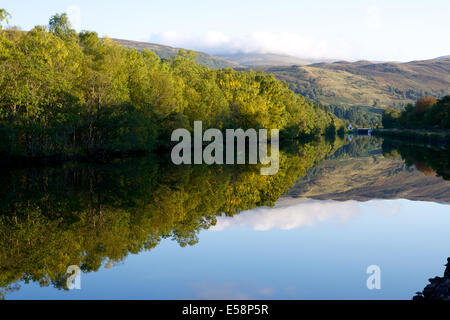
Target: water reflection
[
  {"x": 371, "y": 168},
  {"x": 95, "y": 215},
  {"x": 429, "y": 159},
  {"x": 290, "y": 213}
]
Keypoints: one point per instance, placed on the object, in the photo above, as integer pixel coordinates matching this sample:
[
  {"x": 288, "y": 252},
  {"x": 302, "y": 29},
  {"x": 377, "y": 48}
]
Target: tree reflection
[
  {"x": 94, "y": 215},
  {"x": 431, "y": 160}
]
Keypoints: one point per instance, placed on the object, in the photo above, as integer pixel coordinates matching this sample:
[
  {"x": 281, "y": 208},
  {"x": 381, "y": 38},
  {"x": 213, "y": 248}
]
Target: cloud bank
[{"x": 289, "y": 43}]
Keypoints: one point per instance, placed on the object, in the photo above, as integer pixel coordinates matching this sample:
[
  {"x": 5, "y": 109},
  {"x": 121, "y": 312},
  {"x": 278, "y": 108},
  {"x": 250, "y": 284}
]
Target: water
[{"x": 139, "y": 229}]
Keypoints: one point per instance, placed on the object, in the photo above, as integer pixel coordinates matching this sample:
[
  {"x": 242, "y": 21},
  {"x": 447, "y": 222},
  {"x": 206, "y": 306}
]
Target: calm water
[{"x": 141, "y": 229}]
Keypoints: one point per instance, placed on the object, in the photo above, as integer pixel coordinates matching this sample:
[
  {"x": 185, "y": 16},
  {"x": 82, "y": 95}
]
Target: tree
[
  {"x": 4, "y": 15},
  {"x": 390, "y": 118},
  {"x": 423, "y": 104},
  {"x": 439, "y": 114},
  {"x": 68, "y": 94},
  {"x": 60, "y": 26}
]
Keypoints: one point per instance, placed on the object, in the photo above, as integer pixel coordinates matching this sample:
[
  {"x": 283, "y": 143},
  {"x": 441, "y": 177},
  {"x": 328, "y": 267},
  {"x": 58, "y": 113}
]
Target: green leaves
[
  {"x": 4, "y": 15},
  {"x": 60, "y": 26},
  {"x": 64, "y": 93}
]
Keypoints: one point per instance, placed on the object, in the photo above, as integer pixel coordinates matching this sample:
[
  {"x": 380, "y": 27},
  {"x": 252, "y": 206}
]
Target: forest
[
  {"x": 426, "y": 113},
  {"x": 65, "y": 94},
  {"x": 365, "y": 117}
]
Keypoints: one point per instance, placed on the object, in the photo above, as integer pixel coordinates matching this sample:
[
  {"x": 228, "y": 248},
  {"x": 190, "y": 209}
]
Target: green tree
[
  {"x": 60, "y": 26},
  {"x": 4, "y": 16},
  {"x": 390, "y": 118},
  {"x": 65, "y": 94}
]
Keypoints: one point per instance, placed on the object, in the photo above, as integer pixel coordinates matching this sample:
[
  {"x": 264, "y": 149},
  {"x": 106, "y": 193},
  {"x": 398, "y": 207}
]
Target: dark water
[{"x": 139, "y": 228}]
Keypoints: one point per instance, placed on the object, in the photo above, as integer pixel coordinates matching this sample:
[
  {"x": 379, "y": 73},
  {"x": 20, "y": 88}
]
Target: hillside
[
  {"x": 364, "y": 83},
  {"x": 166, "y": 52},
  {"x": 342, "y": 83},
  {"x": 236, "y": 60},
  {"x": 252, "y": 60}
]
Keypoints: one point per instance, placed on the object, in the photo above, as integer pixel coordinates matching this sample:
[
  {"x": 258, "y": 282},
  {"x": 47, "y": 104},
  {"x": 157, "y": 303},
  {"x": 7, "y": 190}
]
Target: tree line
[
  {"x": 64, "y": 93},
  {"x": 426, "y": 113}
]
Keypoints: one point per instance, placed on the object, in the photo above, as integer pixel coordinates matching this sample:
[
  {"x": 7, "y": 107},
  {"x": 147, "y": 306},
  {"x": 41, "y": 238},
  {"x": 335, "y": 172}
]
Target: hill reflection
[{"x": 371, "y": 168}]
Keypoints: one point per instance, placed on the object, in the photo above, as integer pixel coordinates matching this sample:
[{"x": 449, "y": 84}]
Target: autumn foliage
[{"x": 423, "y": 104}]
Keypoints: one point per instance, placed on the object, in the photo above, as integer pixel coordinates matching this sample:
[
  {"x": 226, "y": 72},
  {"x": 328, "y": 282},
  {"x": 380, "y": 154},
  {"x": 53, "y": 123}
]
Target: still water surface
[{"x": 140, "y": 229}]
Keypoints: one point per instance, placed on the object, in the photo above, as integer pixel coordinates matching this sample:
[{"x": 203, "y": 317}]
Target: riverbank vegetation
[
  {"x": 426, "y": 113},
  {"x": 428, "y": 120},
  {"x": 64, "y": 94}
]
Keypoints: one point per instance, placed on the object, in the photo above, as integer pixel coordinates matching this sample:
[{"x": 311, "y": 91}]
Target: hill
[
  {"x": 356, "y": 91},
  {"x": 166, "y": 52},
  {"x": 341, "y": 83},
  {"x": 369, "y": 84},
  {"x": 252, "y": 60}
]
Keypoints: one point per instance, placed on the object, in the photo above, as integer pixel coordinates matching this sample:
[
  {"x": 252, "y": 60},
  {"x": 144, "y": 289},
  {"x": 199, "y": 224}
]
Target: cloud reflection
[{"x": 291, "y": 213}]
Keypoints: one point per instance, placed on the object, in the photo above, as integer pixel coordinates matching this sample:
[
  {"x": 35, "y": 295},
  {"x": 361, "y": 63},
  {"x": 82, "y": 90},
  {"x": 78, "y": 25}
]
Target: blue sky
[{"x": 374, "y": 30}]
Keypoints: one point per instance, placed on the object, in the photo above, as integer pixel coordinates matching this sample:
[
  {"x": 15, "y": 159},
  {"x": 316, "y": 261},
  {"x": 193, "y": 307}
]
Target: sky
[{"x": 321, "y": 29}]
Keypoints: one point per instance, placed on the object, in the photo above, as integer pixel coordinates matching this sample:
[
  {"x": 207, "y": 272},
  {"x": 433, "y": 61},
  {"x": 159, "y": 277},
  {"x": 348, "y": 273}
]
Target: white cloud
[
  {"x": 74, "y": 14},
  {"x": 289, "y": 43}
]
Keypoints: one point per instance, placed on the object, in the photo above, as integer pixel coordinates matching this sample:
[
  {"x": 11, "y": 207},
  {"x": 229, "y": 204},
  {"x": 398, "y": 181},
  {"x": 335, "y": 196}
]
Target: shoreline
[{"x": 436, "y": 137}]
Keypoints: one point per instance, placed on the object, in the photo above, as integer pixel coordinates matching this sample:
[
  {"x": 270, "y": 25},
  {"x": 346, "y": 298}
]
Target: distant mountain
[
  {"x": 364, "y": 83},
  {"x": 166, "y": 52},
  {"x": 252, "y": 60}
]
